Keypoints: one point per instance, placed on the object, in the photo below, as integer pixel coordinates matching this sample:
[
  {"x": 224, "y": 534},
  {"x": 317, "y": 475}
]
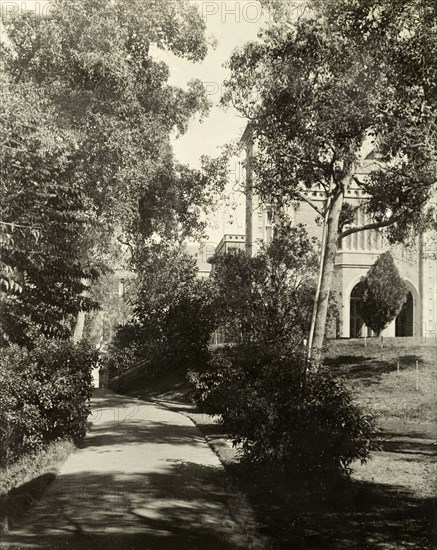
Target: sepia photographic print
[{"x": 218, "y": 274}]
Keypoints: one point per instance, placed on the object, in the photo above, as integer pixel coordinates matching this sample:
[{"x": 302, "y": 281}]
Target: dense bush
[
  {"x": 44, "y": 395},
  {"x": 125, "y": 349},
  {"x": 269, "y": 296},
  {"x": 280, "y": 415},
  {"x": 173, "y": 315}
]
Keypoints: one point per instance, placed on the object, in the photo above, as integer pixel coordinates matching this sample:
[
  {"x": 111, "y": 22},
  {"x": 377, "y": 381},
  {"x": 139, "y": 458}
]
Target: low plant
[{"x": 281, "y": 415}]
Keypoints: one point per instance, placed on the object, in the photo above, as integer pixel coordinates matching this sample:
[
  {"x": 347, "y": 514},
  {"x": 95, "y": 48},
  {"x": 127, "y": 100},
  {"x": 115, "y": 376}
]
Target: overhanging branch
[
  {"x": 311, "y": 203},
  {"x": 369, "y": 226}
]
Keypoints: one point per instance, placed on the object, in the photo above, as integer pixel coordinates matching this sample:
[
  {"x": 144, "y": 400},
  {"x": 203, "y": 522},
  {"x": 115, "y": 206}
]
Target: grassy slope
[{"x": 372, "y": 373}]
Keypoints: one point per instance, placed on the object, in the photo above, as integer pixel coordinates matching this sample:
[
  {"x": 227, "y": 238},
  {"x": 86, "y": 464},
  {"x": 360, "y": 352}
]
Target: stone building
[{"x": 417, "y": 264}]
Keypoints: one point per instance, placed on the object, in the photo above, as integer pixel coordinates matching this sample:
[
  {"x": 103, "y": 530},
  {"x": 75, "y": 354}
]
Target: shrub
[
  {"x": 168, "y": 333},
  {"x": 21, "y": 423},
  {"x": 44, "y": 395},
  {"x": 63, "y": 370},
  {"x": 384, "y": 292},
  {"x": 269, "y": 296},
  {"x": 278, "y": 415},
  {"x": 125, "y": 349}
]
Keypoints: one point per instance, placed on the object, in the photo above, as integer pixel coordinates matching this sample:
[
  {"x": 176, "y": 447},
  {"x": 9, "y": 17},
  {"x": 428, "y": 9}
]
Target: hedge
[{"x": 44, "y": 395}]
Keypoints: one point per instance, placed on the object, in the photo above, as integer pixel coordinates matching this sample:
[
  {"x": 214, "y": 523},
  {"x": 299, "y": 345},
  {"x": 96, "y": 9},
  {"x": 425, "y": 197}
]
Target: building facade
[{"x": 417, "y": 263}]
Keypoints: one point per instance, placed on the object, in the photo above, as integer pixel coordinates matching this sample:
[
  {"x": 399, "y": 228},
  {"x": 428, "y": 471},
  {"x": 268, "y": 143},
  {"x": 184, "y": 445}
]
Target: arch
[
  {"x": 346, "y": 299},
  {"x": 405, "y": 318},
  {"x": 357, "y": 327},
  {"x": 353, "y": 283},
  {"x": 408, "y": 321}
]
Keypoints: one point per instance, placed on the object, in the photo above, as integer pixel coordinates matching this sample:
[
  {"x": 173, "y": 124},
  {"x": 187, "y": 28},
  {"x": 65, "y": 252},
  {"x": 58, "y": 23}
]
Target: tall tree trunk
[
  {"x": 80, "y": 319},
  {"x": 249, "y": 197},
  {"x": 79, "y": 326},
  {"x": 319, "y": 282},
  {"x": 328, "y": 270}
]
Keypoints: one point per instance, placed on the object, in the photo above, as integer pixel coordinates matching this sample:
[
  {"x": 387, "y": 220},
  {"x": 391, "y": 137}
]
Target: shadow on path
[
  {"x": 184, "y": 507},
  {"x": 141, "y": 480}
]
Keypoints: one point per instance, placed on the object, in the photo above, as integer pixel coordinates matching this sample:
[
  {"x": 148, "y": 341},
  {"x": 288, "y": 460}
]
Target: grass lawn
[
  {"x": 372, "y": 373},
  {"x": 24, "y": 482}
]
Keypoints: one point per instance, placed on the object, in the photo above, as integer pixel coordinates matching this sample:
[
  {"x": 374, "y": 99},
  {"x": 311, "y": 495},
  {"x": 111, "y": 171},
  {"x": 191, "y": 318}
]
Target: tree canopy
[
  {"x": 87, "y": 122},
  {"x": 326, "y": 86},
  {"x": 268, "y": 297},
  {"x": 95, "y": 64}
]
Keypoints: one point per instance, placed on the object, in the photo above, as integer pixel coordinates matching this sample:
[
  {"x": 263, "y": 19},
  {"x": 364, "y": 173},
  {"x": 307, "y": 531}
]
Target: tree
[
  {"x": 42, "y": 219},
  {"x": 319, "y": 89},
  {"x": 172, "y": 312},
  {"x": 267, "y": 298},
  {"x": 384, "y": 292},
  {"x": 94, "y": 63},
  {"x": 91, "y": 135}
]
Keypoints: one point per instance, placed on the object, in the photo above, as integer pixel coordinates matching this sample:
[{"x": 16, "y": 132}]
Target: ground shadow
[
  {"x": 183, "y": 507},
  {"x": 345, "y": 360},
  {"x": 132, "y": 433},
  {"x": 15, "y": 504},
  {"x": 299, "y": 514},
  {"x": 369, "y": 368},
  {"x": 394, "y": 443}
]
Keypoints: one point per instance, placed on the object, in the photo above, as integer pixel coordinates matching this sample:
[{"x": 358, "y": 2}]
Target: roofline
[{"x": 247, "y": 134}]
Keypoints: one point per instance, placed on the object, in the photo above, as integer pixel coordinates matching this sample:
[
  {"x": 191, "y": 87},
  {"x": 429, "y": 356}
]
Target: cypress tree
[{"x": 384, "y": 293}]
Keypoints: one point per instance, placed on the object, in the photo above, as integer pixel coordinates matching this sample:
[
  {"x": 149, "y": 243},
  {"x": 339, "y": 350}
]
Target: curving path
[{"x": 144, "y": 478}]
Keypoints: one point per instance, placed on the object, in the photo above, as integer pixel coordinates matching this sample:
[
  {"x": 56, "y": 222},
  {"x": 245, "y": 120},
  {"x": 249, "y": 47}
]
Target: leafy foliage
[
  {"x": 44, "y": 395},
  {"x": 88, "y": 115},
  {"x": 384, "y": 292},
  {"x": 173, "y": 315},
  {"x": 125, "y": 349},
  {"x": 115, "y": 307},
  {"x": 42, "y": 220},
  {"x": 323, "y": 89},
  {"x": 279, "y": 417},
  {"x": 96, "y": 66},
  {"x": 276, "y": 412},
  {"x": 268, "y": 297}
]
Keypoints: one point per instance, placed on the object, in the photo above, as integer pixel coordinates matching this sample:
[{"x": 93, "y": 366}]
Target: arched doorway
[
  {"x": 405, "y": 319},
  {"x": 357, "y": 328}
]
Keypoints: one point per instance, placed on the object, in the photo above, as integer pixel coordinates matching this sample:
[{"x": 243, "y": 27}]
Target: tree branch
[
  {"x": 308, "y": 201},
  {"x": 4, "y": 146},
  {"x": 13, "y": 225},
  {"x": 368, "y": 226},
  {"x": 126, "y": 243}
]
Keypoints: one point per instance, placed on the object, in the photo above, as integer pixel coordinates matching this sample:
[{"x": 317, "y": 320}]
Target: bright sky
[{"x": 232, "y": 23}]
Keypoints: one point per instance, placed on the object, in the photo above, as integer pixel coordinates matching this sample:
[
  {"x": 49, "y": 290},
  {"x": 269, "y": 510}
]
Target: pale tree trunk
[
  {"x": 319, "y": 282},
  {"x": 80, "y": 319},
  {"x": 78, "y": 327},
  {"x": 327, "y": 273}
]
